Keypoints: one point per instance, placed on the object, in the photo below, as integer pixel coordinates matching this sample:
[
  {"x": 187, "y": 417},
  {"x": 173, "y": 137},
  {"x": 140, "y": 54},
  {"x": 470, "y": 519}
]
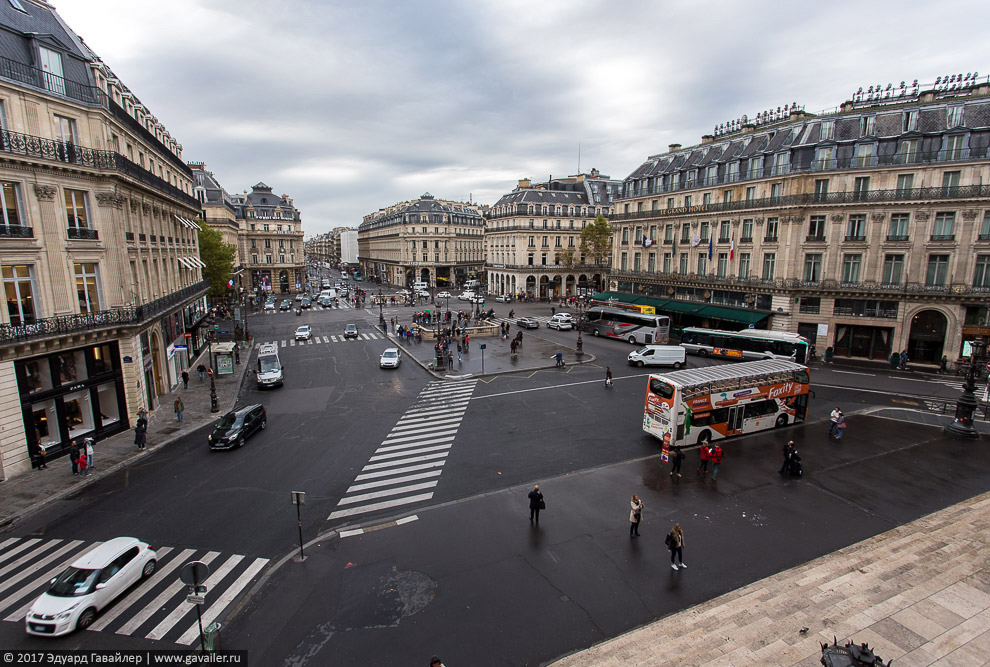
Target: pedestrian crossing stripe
[
  {"x": 408, "y": 463},
  {"x": 154, "y": 608},
  {"x": 291, "y": 342}
]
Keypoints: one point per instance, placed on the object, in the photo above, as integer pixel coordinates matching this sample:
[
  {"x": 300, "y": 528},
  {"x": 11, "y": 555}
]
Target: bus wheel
[
  {"x": 781, "y": 421},
  {"x": 704, "y": 438},
  {"x": 702, "y": 352},
  {"x": 594, "y": 332},
  {"x": 632, "y": 340}
]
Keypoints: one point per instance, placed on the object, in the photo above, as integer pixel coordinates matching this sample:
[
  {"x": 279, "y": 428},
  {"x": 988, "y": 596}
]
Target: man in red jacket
[
  {"x": 705, "y": 452},
  {"x": 716, "y": 457}
]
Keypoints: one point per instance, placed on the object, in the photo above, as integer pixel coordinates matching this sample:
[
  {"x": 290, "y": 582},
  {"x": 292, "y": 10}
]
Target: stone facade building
[
  {"x": 440, "y": 243},
  {"x": 270, "y": 241},
  {"x": 98, "y": 247},
  {"x": 533, "y": 236},
  {"x": 866, "y": 229}
]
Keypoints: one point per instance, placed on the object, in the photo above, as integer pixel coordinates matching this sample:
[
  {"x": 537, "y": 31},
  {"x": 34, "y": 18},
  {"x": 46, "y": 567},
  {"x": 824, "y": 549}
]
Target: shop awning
[
  {"x": 681, "y": 307},
  {"x": 615, "y": 296},
  {"x": 186, "y": 263},
  {"x": 197, "y": 261},
  {"x": 732, "y": 314}
]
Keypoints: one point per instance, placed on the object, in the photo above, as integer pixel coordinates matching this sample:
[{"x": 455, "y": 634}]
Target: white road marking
[
  {"x": 416, "y": 443},
  {"x": 452, "y": 421},
  {"x": 215, "y": 609},
  {"x": 383, "y": 457},
  {"x": 182, "y": 610},
  {"x": 394, "y": 480},
  {"x": 401, "y": 462},
  {"x": 442, "y": 432},
  {"x": 380, "y": 506},
  {"x": 34, "y": 585},
  {"x": 869, "y": 375},
  {"x": 399, "y": 471},
  {"x": 374, "y": 495},
  {"x": 159, "y": 601}
]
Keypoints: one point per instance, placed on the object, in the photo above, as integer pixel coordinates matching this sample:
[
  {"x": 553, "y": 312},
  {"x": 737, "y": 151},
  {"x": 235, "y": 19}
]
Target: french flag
[
  {"x": 647, "y": 242},
  {"x": 732, "y": 249}
]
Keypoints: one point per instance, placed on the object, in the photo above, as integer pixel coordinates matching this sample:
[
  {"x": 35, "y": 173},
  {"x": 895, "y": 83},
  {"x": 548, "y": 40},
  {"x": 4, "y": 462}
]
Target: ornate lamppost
[
  {"x": 381, "y": 313},
  {"x": 966, "y": 404},
  {"x": 580, "y": 341}
]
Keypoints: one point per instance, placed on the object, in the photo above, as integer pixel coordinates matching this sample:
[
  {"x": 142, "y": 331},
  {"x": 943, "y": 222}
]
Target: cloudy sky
[{"x": 351, "y": 106}]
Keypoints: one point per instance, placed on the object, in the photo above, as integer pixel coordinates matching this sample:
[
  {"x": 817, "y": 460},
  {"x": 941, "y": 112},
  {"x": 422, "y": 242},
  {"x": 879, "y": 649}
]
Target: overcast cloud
[{"x": 351, "y": 106}]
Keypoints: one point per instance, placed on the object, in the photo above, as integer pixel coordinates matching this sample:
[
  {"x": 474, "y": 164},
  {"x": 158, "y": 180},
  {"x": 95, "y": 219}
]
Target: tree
[
  {"x": 219, "y": 259},
  {"x": 567, "y": 257},
  {"x": 596, "y": 240}
]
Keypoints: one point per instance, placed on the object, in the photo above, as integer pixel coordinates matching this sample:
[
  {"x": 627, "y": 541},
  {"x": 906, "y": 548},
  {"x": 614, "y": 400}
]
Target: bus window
[
  {"x": 661, "y": 388},
  {"x": 760, "y": 408},
  {"x": 801, "y": 376},
  {"x": 689, "y": 337}
]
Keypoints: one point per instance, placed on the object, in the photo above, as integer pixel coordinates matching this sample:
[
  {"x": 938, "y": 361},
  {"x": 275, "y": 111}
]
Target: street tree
[
  {"x": 567, "y": 257},
  {"x": 219, "y": 258},
  {"x": 596, "y": 240}
]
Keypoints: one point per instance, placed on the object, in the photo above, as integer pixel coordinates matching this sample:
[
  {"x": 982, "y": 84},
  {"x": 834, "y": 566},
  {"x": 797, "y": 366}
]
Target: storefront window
[
  {"x": 38, "y": 375},
  {"x": 43, "y": 421},
  {"x": 78, "y": 413},
  {"x": 109, "y": 408},
  {"x": 102, "y": 359},
  {"x": 71, "y": 366}
]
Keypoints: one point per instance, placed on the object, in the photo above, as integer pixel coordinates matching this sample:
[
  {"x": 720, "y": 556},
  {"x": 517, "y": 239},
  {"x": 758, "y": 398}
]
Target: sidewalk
[
  {"x": 31, "y": 491},
  {"x": 918, "y": 595}
]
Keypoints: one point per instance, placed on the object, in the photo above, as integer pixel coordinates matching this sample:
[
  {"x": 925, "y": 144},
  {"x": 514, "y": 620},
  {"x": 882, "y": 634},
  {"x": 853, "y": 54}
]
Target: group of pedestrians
[
  {"x": 706, "y": 454},
  {"x": 82, "y": 457}
]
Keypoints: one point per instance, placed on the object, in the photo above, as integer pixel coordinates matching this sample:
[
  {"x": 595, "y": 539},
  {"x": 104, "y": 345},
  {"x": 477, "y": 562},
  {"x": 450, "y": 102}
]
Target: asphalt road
[{"x": 468, "y": 577}]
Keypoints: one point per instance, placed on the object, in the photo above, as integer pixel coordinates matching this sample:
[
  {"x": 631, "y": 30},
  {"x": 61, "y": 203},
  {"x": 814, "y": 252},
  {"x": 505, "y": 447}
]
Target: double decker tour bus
[
  {"x": 632, "y": 327},
  {"x": 746, "y": 344},
  {"x": 700, "y": 405}
]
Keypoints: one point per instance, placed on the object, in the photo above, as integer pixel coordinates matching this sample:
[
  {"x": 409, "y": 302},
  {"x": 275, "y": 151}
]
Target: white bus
[
  {"x": 269, "y": 366},
  {"x": 746, "y": 344},
  {"x": 630, "y": 326}
]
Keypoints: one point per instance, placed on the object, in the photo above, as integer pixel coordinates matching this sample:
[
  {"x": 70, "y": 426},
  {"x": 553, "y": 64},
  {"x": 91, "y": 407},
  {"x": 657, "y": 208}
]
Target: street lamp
[
  {"x": 966, "y": 404},
  {"x": 381, "y": 314},
  {"x": 580, "y": 341}
]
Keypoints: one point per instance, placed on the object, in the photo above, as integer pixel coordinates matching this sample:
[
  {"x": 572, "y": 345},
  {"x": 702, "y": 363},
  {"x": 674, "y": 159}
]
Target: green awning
[
  {"x": 615, "y": 296},
  {"x": 685, "y": 307},
  {"x": 732, "y": 314}
]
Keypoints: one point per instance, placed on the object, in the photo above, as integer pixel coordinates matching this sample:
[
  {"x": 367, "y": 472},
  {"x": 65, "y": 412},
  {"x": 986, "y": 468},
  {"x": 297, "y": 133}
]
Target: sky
[{"x": 348, "y": 107}]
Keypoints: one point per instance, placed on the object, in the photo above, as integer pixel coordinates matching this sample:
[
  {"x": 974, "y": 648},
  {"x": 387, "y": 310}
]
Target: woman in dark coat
[
  {"x": 535, "y": 503},
  {"x": 141, "y": 436}
]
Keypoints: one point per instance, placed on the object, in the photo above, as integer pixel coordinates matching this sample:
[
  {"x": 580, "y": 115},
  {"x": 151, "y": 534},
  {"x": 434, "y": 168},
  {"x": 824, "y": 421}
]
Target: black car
[
  {"x": 235, "y": 427},
  {"x": 305, "y": 303},
  {"x": 285, "y": 305}
]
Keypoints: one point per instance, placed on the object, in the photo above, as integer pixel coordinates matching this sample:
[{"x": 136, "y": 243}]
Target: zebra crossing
[
  {"x": 315, "y": 340},
  {"x": 155, "y": 608},
  {"x": 408, "y": 463},
  {"x": 315, "y": 306},
  {"x": 958, "y": 382}
]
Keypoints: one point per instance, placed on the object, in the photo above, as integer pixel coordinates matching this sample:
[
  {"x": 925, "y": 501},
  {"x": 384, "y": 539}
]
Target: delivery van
[
  {"x": 269, "y": 371},
  {"x": 328, "y": 294},
  {"x": 659, "y": 355}
]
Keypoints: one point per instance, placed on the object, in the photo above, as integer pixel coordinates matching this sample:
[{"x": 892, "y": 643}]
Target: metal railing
[
  {"x": 82, "y": 233},
  {"x": 50, "y": 83},
  {"x": 16, "y": 231},
  {"x": 104, "y": 319}
]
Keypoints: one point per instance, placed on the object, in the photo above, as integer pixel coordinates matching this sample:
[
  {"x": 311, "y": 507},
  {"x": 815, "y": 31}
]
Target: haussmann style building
[
  {"x": 270, "y": 241},
  {"x": 866, "y": 228}
]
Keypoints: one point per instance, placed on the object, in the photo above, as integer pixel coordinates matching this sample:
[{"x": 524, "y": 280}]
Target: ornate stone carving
[
  {"x": 922, "y": 216},
  {"x": 134, "y": 206},
  {"x": 758, "y": 221},
  {"x": 45, "y": 192},
  {"x": 735, "y": 222},
  {"x": 110, "y": 199},
  {"x": 879, "y": 216},
  {"x": 695, "y": 224},
  {"x": 837, "y": 217},
  {"x": 155, "y": 211},
  {"x": 146, "y": 208},
  {"x": 970, "y": 214}
]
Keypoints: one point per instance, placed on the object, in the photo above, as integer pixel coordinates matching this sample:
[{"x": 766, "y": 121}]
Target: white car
[
  {"x": 93, "y": 581},
  {"x": 443, "y": 295},
  {"x": 423, "y": 293},
  {"x": 465, "y": 296},
  {"x": 478, "y": 300},
  {"x": 269, "y": 305},
  {"x": 561, "y": 322},
  {"x": 403, "y": 292},
  {"x": 390, "y": 358},
  {"x": 305, "y": 332},
  {"x": 503, "y": 298}
]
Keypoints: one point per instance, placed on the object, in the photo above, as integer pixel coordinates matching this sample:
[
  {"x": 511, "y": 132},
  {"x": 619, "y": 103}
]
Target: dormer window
[
  {"x": 867, "y": 125},
  {"x": 16, "y": 4}
]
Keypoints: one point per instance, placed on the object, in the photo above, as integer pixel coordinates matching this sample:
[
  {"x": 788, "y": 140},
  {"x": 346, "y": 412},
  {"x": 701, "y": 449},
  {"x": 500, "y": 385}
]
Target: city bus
[
  {"x": 700, "y": 405},
  {"x": 632, "y": 327},
  {"x": 746, "y": 344}
]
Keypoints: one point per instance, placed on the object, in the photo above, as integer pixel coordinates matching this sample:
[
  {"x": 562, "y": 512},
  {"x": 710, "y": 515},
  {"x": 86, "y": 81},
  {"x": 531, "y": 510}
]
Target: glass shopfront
[{"x": 71, "y": 394}]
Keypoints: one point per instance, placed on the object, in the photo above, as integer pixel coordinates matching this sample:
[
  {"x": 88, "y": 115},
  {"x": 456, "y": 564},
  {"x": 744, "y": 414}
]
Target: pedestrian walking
[
  {"x": 536, "y": 503},
  {"x": 608, "y": 376},
  {"x": 74, "y": 456},
  {"x": 788, "y": 452},
  {"x": 840, "y": 426},
  {"x": 90, "y": 460},
  {"x": 704, "y": 452},
  {"x": 716, "y": 457},
  {"x": 676, "y": 457},
  {"x": 943, "y": 365},
  {"x": 450, "y": 359},
  {"x": 201, "y": 369},
  {"x": 42, "y": 452},
  {"x": 675, "y": 545},
  {"x": 179, "y": 407},
  {"x": 904, "y": 360},
  {"x": 559, "y": 358},
  {"x": 140, "y": 436},
  {"x": 83, "y": 466},
  {"x": 553, "y": 311},
  {"x": 833, "y": 419},
  {"x": 635, "y": 515},
  {"x": 185, "y": 379},
  {"x": 829, "y": 353}
]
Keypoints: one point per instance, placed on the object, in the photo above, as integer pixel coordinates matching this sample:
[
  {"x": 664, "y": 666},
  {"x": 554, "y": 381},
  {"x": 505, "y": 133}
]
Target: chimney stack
[{"x": 673, "y": 148}]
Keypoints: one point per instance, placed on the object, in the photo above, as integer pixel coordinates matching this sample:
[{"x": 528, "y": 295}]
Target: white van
[
  {"x": 472, "y": 284},
  {"x": 659, "y": 355},
  {"x": 420, "y": 287},
  {"x": 328, "y": 294},
  {"x": 269, "y": 366}
]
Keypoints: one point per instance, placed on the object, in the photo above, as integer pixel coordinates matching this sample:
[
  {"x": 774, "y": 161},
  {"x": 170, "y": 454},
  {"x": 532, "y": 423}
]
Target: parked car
[
  {"x": 237, "y": 426},
  {"x": 390, "y": 358},
  {"x": 285, "y": 305},
  {"x": 443, "y": 295},
  {"x": 89, "y": 584},
  {"x": 351, "y": 331},
  {"x": 305, "y": 332},
  {"x": 561, "y": 322},
  {"x": 528, "y": 323}
]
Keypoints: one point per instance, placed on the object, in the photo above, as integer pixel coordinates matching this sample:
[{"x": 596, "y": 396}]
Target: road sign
[
  {"x": 483, "y": 346},
  {"x": 194, "y": 572},
  {"x": 209, "y": 372},
  {"x": 298, "y": 497},
  {"x": 196, "y": 599}
]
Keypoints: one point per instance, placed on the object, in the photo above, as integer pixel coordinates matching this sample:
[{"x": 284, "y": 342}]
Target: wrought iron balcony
[
  {"x": 746, "y": 239},
  {"x": 770, "y": 238},
  {"x": 856, "y": 237},
  {"x": 52, "y": 84},
  {"x": 16, "y": 232},
  {"x": 897, "y": 237},
  {"x": 943, "y": 237},
  {"x": 818, "y": 238},
  {"x": 983, "y": 237},
  {"x": 106, "y": 319},
  {"x": 82, "y": 233}
]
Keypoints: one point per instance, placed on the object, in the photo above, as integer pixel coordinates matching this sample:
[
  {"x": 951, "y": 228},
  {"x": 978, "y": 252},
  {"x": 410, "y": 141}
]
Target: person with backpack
[
  {"x": 716, "y": 457},
  {"x": 705, "y": 453}
]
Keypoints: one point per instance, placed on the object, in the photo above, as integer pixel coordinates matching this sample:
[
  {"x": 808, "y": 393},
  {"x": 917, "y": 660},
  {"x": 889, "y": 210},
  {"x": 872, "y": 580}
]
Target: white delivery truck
[
  {"x": 658, "y": 355},
  {"x": 269, "y": 366},
  {"x": 328, "y": 294}
]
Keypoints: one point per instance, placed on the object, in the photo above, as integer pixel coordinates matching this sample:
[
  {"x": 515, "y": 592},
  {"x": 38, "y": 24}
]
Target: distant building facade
[
  {"x": 271, "y": 240},
  {"x": 440, "y": 243},
  {"x": 533, "y": 236},
  {"x": 866, "y": 229}
]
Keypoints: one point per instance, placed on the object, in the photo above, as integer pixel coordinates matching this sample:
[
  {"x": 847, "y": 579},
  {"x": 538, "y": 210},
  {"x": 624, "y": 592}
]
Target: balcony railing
[
  {"x": 50, "y": 83},
  {"x": 105, "y": 319},
  {"x": 983, "y": 237},
  {"x": 943, "y": 237},
  {"x": 770, "y": 238},
  {"x": 16, "y": 232},
  {"x": 855, "y": 237},
  {"x": 818, "y": 238},
  {"x": 897, "y": 237},
  {"x": 82, "y": 233},
  {"x": 746, "y": 239}
]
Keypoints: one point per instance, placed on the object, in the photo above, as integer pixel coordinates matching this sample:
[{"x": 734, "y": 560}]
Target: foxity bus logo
[{"x": 782, "y": 390}]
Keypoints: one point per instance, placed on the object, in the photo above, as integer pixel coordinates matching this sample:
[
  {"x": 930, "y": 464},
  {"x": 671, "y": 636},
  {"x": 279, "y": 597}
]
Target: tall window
[
  {"x": 624, "y": 261},
  {"x": 751, "y": 193},
  {"x": 864, "y": 155},
  {"x": 950, "y": 181},
  {"x": 685, "y": 232},
  {"x": 861, "y": 186},
  {"x": 776, "y": 191},
  {"x": 51, "y": 65},
  {"x": 769, "y": 265},
  {"x": 821, "y": 189},
  {"x": 954, "y": 117},
  {"x": 75, "y": 209},
  {"x": 732, "y": 172},
  {"x": 867, "y": 125},
  {"x": 10, "y": 203},
  {"x": 666, "y": 262},
  {"x": 911, "y": 121},
  {"x": 954, "y": 147},
  {"x": 668, "y": 234},
  {"x": 625, "y": 235},
  {"x": 637, "y": 262},
  {"x": 702, "y": 264},
  {"x": 706, "y": 198},
  {"x": 981, "y": 277},
  {"x": 828, "y": 130},
  {"x": 722, "y": 268},
  {"x": 825, "y": 158},
  {"x": 856, "y": 228},
  {"x": 898, "y": 230},
  {"x": 747, "y": 230},
  {"x": 704, "y": 231},
  {"x": 905, "y": 182},
  {"x": 813, "y": 267},
  {"x": 683, "y": 263},
  {"x": 744, "y": 264},
  {"x": 816, "y": 227},
  {"x": 723, "y": 231},
  {"x": 18, "y": 287},
  {"x": 780, "y": 163},
  {"x": 944, "y": 226},
  {"x": 985, "y": 227},
  {"x": 755, "y": 167},
  {"x": 850, "y": 268},
  {"x": 938, "y": 269},
  {"x": 908, "y": 152},
  {"x": 772, "y": 229},
  {"x": 727, "y": 196},
  {"x": 893, "y": 269},
  {"x": 652, "y": 263},
  {"x": 87, "y": 288}
]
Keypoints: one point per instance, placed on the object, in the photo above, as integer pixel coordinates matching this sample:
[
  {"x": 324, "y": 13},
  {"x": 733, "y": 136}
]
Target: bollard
[{"x": 211, "y": 637}]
